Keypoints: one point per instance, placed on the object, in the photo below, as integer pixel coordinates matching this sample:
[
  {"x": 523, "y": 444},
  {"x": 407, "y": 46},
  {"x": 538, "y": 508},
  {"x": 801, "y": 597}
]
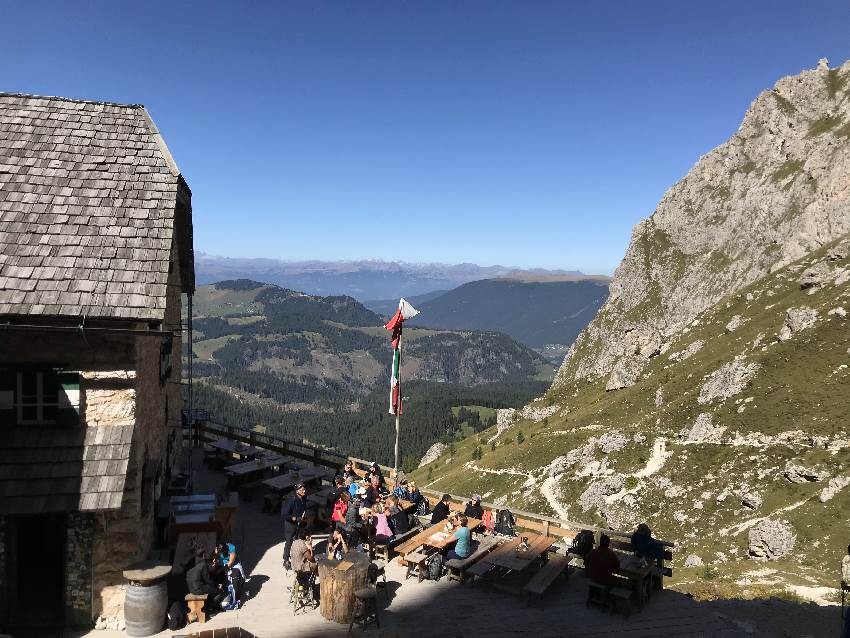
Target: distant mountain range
[
  {"x": 363, "y": 280},
  {"x": 545, "y": 313}
]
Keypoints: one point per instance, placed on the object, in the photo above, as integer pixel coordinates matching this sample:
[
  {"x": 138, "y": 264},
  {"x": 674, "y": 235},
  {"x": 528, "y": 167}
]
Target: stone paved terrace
[{"x": 445, "y": 609}]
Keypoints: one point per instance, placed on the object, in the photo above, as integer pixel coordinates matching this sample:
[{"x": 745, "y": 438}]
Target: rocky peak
[{"x": 775, "y": 191}]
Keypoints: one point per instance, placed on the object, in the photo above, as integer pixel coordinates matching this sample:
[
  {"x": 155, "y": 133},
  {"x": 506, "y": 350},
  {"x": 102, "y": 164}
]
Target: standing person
[
  {"x": 383, "y": 533},
  {"x": 473, "y": 508},
  {"x": 463, "y": 540},
  {"x": 340, "y": 510},
  {"x": 441, "y": 510},
  {"x": 293, "y": 515},
  {"x": 602, "y": 564}
]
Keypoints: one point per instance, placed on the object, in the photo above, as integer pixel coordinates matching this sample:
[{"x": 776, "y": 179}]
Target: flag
[{"x": 405, "y": 311}]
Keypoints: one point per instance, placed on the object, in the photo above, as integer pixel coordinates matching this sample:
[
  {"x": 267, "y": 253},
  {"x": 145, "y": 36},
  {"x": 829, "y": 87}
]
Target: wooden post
[{"x": 546, "y": 528}]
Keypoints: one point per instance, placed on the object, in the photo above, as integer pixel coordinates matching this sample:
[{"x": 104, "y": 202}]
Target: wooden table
[
  {"x": 426, "y": 537},
  {"x": 320, "y": 498},
  {"x": 312, "y": 473},
  {"x": 233, "y": 447},
  {"x": 258, "y": 464},
  {"x": 338, "y": 580},
  {"x": 187, "y": 543},
  {"x": 506, "y": 556},
  {"x": 282, "y": 482},
  {"x": 637, "y": 572}
]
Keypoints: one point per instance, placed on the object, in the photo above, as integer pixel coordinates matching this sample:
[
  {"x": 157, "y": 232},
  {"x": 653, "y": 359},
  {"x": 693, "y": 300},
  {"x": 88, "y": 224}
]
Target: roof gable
[{"x": 88, "y": 199}]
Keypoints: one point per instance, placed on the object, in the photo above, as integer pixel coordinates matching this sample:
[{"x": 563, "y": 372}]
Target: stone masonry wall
[{"x": 78, "y": 569}]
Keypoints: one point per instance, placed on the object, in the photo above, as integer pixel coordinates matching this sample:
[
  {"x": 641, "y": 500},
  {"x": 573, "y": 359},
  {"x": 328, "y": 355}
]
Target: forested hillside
[{"x": 318, "y": 368}]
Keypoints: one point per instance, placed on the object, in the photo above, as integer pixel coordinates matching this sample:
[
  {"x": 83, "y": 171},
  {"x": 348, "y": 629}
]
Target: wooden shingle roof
[
  {"x": 63, "y": 469},
  {"x": 88, "y": 210}
]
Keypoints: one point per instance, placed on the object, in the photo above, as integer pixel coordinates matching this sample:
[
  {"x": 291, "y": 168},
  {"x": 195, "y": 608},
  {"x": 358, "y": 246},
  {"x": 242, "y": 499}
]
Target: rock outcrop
[
  {"x": 727, "y": 381},
  {"x": 797, "y": 319},
  {"x": 797, "y": 473},
  {"x": 832, "y": 488},
  {"x": 771, "y": 539},
  {"x": 772, "y": 193},
  {"x": 434, "y": 452}
]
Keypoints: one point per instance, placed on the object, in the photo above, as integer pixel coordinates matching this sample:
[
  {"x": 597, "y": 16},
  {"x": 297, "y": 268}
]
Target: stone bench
[
  {"x": 543, "y": 579},
  {"x": 196, "y": 603}
]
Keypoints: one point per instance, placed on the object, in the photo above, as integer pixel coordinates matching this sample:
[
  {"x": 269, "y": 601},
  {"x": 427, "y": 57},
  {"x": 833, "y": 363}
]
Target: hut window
[{"x": 39, "y": 397}]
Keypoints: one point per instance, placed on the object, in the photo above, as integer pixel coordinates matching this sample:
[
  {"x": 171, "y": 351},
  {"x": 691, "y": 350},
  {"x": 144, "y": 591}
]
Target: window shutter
[
  {"x": 165, "y": 359},
  {"x": 68, "y": 399}
]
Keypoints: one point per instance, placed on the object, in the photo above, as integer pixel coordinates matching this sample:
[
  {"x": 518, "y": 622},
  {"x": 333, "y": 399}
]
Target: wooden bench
[
  {"x": 621, "y": 596},
  {"x": 456, "y": 567},
  {"x": 196, "y": 607},
  {"x": 416, "y": 564},
  {"x": 543, "y": 579},
  {"x": 479, "y": 570}
]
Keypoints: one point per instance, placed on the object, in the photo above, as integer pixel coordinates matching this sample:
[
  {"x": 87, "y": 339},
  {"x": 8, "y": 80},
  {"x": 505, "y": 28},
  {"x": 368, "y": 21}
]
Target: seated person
[
  {"x": 374, "y": 470},
  {"x": 441, "y": 510},
  {"x": 333, "y": 496},
  {"x": 473, "y": 508},
  {"x": 602, "y": 564},
  {"x": 463, "y": 540},
  {"x": 337, "y": 547},
  {"x": 227, "y": 562},
  {"x": 373, "y": 492},
  {"x": 398, "y": 518},
  {"x": 199, "y": 581},
  {"x": 302, "y": 559},
  {"x": 413, "y": 494},
  {"x": 383, "y": 533},
  {"x": 644, "y": 545},
  {"x": 348, "y": 472}
]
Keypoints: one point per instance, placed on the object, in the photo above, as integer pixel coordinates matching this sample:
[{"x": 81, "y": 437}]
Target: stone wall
[{"x": 78, "y": 569}]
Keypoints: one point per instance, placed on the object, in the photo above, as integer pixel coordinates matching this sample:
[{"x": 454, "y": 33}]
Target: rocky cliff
[
  {"x": 778, "y": 189},
  {"x": 710, "y": 396}
]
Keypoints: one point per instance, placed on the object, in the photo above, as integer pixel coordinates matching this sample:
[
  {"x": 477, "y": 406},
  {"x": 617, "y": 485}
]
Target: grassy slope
[{"x": 799, "y": 387}]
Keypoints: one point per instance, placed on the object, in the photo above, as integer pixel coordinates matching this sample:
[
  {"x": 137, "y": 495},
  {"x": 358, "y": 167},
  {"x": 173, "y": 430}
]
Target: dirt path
[
  {"x": 547, "y": 489},
  {"x": 657, "y": 460}
]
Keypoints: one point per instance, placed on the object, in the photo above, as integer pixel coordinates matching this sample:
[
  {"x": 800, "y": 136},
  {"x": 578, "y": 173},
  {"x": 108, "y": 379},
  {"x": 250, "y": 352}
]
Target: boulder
[
  {"x": 832, "y": 488},
  {"x": 735, "y": 322},
  {"x": 771, "y": 539},
  {"x": 434, "y": 452},
  {"x": 625, "y": 373},
  {"x": 751, "y": 499},
  {"x": 612, "y": 442},
  {"x": 504, "y": 419},
  {"x": 704, "y": 431},
  {"x": 814, "y": 275},
  {"x": 797, "y": 319},
  {"x": 837, "y": 311},
  {"x": 727, "y": 381},
  {"x": 594, "y": 496},
  {"x": 693, "y": 561},
  {"x": 799, "y": 474},
  {"x": 558, "y": 466},
  {"x": 688, "y": 352}
]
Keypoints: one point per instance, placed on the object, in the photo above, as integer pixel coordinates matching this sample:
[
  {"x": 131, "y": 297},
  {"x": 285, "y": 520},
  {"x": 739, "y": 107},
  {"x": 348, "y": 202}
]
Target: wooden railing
[{"x": 547, "y": 525}]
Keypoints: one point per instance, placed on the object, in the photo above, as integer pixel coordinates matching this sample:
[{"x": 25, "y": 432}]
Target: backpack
[
  {"x": 505, "y": 523},
  {"x": 583, "y": 543},
  {"x": 434, "y": 567},
  {"x": 422, "y": 509},
  {"x": 176, "y": 616}
]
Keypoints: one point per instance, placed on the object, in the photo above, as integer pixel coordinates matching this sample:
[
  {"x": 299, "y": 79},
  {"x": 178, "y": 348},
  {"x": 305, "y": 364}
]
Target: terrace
[{"x": 428, "y": 608}]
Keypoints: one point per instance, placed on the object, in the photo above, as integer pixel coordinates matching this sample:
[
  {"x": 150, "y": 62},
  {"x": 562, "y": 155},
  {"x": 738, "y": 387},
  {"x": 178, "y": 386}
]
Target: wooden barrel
[
  {"x": 145, "y": 607},
  {"x": 338, "y": 580}
]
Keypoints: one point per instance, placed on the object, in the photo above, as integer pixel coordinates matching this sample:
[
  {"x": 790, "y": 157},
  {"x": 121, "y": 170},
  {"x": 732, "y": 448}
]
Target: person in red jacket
[
  {"x": 602, "y": 563},
  {"x": 340, "y": 509}
]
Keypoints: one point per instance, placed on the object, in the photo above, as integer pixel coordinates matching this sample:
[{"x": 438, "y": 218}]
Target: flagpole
[{"x": 398, "y": 410}]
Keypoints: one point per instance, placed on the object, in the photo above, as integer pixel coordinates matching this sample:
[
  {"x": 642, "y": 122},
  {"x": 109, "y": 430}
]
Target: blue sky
[{"x": 514, "y": 133}]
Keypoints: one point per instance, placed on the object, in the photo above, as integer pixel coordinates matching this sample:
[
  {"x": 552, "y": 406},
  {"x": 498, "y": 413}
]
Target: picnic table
[
  {"x": 312, "y": 473},
  {"x": 234, "y": 447},
  {"x": 187, "y": 543},
  {"x": 508, "y": 557},
  {"x": 434, "y": 536},
  {"x": 637, "y": 571},
  {"x": 258, "y": 464},
  {"x": 320, "y": 498},
  {"x": 283, "y": 482}
]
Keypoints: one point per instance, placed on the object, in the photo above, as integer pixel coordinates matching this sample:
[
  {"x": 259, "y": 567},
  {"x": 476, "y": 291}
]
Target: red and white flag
[{"x": 394, "y": 325}]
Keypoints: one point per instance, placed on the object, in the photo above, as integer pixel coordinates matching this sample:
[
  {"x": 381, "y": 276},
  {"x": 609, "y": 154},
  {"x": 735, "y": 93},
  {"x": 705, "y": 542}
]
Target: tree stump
[{"x": 337, "y": 586}]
